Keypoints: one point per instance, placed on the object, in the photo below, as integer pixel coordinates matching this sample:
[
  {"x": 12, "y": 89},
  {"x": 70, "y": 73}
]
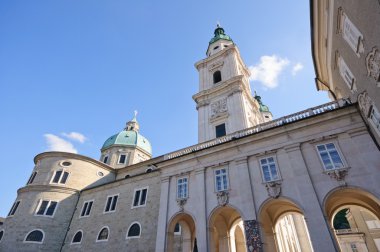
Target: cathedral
[{"x": 252, "y": 183}]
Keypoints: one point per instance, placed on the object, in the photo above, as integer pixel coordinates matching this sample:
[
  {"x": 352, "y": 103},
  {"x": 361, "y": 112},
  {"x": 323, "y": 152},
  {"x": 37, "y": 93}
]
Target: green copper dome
[
  {"x": 219, "y": 34},
  {"x": 129, "y": 137},
  {"x": 263, "y": 108}
]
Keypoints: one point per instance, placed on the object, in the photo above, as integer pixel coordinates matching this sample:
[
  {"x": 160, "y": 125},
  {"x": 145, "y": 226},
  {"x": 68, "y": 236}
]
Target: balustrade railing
[{"x": 258, "y": 128}]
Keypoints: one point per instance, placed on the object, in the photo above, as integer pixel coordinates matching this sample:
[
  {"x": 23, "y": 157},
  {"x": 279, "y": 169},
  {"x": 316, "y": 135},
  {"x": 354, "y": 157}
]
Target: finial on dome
[
  {"x": 133, "y": 124},
  {"x": 217, "y": 24}
]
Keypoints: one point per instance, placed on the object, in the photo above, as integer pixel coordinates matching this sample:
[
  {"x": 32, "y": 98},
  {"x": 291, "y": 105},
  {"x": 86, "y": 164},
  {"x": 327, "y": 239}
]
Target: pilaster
[
  {"x": 163, "y": 215},
  {"x": 200, "y": 211}
]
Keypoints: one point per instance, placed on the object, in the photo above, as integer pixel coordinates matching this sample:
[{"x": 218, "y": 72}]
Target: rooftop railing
[{"x": 261, "y": 127}]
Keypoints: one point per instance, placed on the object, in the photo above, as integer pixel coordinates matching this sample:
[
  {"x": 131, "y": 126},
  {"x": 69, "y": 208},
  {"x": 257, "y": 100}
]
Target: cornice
[
  {"x": 225, "y": 51},
  {"x": 230, "y": 86},
  {"x": 47, "y": 188},
  {"x": 59, "y": 154}
]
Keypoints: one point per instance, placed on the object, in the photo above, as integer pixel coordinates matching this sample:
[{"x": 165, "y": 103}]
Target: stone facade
[
  {"x": 225, "y": 194},
  {"x": 346, "y": 45}
]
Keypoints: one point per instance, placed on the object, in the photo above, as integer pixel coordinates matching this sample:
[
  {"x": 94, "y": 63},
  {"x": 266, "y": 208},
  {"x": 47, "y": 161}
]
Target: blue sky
[{"x": 85, "y": 66}]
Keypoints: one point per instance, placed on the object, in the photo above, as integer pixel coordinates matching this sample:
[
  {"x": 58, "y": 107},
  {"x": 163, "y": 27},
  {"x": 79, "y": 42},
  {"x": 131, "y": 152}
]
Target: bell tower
[{"x": 224, "y": 101}]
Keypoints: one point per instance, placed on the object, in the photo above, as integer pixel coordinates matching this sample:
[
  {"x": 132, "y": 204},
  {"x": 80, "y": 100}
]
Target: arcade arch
[
  {"x": 181, "y": 233},
  {"x": 226, "y": 231},
  {"x": 284, "y": 227},
  {"x": 354, "y": 215}
]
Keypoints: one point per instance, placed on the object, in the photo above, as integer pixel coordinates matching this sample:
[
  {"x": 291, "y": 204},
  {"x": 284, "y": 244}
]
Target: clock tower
[{"x": 224, "y": 102}]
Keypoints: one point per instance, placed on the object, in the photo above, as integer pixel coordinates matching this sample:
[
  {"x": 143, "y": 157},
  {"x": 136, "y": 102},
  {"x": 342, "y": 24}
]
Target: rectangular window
[
  {"x": 111, "y": 203},
  {"x": 140, "y": 196},
  {"x": 60, "y": 177},
  {"x": 182, "y": 188},
  {"x": 31, "y": 179},
  {"x": 269, "y": 169},
  {"x": 105, "y": 159},
  {"x": 330, "y": 156},
  {"x": 346, "y": 74},
  {"x": 47, "y": 208},
  {"x": 375, "y": 118},
  {"x": 220, "y": 130},
  {"x": 221, "y": 180},
  {"x": 86, "y": 209},
  {"x": 122, "y": 158},
  {"x": 14, "y": 208},
  {"x": 351, "y": 34}
]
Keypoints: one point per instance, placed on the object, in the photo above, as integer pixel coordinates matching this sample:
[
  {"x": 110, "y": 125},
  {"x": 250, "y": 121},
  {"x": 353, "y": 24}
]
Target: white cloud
[
  {"x": 75, "y": 136},
  {"x": 296, "y": 68},
  {"x": 55, "y": 143},
  {"x": 268, "y": 70}
]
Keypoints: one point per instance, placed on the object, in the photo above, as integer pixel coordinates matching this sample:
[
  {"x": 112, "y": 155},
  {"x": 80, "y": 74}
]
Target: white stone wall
[{"x": 303, "y": 180}]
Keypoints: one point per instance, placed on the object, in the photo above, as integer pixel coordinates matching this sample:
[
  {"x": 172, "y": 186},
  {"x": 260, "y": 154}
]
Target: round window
[
  {"x": 100, "y": 174},
  {"x": 66, "y": 163}
]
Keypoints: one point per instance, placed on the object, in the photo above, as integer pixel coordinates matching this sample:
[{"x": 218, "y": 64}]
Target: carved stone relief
[
  {"x": 365, "y": 102},
  {"x": 222, "y": 198},
  {"x": 216, "y": 66},
  {"x": 219, "y": 108},
  {"x": 181, "y": 203},
  {"x": 373, "y": 65},
  {"x": 339, "y": 175},
  {"x": 274, "y": 189}
]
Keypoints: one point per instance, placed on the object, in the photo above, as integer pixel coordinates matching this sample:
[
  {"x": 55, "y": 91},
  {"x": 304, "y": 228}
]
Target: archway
[
  {"x": 354, "y": 215},
  {"x": 181, "y": 234},
  {"x": 226, "y": 231},
  {"x": 284, "y": 227}
]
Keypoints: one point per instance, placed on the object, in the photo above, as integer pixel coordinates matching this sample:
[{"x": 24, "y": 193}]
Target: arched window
[
  {"x": 35, "y": 236},
  {"x": 217, "y": 76},
  {"x": 77, "y": 237},
  {"x": 134, "y": 230},
  {"x": 103, "y": 234},
  {"x": 1, "y": 234}
]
